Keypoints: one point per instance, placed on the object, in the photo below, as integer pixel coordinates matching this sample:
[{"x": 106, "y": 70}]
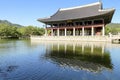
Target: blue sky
[{"x": 26, "y": 12}]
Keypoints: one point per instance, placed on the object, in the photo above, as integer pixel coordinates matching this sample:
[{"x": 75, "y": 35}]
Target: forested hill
[
  {"x": 113, "y": 28},
  {"x": 9, "y": 23},
  {"x": 10, "y": 30},
  {"x": 115, "y": 25}
]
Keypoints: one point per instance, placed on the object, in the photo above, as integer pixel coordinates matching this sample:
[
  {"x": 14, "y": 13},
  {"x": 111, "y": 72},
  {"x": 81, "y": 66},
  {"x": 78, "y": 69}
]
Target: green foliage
[
  {"x": 21, "y": 31},
  {"x": 107, "y": 30},
  {"x": 30, "y": 30},
  {"x": 113, "y": 28},
  {"x": 8, "y": 30}
]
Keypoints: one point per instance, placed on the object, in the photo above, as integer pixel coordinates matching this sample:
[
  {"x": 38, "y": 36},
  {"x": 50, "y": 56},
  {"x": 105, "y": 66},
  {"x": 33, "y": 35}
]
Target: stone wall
[{"x": 71, "y": 38}]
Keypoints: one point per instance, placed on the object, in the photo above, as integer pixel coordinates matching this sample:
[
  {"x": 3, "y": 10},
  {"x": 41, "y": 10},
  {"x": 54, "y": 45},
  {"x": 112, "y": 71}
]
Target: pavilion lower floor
[{"x": 75, "y": 31}]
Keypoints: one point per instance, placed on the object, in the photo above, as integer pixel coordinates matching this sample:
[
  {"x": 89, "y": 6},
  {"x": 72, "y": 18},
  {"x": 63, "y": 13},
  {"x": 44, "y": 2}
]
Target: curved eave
[
  {"x": 48, "y": 19},
  {"x": 106, "y": 14},
  {"x": 43, "y": 20}
]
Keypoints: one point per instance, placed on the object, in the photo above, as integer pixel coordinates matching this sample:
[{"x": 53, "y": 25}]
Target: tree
[
  {"x": 9, "y": 30},
  {"x": 107, "y": 30},
  {"x": 21, "y": 31},
  {"x": 30, "y": 30}
]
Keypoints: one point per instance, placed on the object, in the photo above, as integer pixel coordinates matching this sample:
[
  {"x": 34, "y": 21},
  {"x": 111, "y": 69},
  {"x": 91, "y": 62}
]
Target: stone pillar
[
  {"x": 58, "y": 32},
  {"x": 65, "y": 31},
  {"x": 74, "y": 31},
  {"x": 103, "y": 30},
  {"x": 92, "y": 31},
  {"x": 83, "y": 31},
  {"x": 52, "y": 32}
]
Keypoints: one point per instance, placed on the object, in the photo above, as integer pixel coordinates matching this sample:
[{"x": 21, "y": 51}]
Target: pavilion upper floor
[{"x": 76, "y": 23}]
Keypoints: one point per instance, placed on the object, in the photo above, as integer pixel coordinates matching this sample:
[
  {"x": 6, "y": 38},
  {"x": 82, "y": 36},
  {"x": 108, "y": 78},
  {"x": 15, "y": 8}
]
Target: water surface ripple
[{"x": 26, "y": 60}]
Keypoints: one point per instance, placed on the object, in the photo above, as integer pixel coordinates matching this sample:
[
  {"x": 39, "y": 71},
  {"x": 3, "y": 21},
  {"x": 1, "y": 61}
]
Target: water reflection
[{"x": 83, "y": 56}]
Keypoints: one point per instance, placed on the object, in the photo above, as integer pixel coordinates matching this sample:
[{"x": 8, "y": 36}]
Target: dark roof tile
[{"x": 90, "y": 10}]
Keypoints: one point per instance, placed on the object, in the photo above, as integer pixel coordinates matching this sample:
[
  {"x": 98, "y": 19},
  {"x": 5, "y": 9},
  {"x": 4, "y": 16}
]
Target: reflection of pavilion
[{"x": 80, "y": 57}]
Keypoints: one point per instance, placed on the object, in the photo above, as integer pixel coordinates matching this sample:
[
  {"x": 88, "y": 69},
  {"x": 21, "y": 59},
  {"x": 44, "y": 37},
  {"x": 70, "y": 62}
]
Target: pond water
[{"x": 26, "y": 60}]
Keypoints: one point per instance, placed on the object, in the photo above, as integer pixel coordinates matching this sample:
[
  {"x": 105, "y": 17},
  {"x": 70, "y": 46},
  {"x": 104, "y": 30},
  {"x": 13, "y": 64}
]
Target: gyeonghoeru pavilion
[{"x": 81, "y": 23}]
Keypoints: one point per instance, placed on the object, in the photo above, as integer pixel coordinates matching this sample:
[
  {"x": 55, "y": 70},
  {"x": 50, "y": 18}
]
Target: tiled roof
[{"x": 79, "y": 12}]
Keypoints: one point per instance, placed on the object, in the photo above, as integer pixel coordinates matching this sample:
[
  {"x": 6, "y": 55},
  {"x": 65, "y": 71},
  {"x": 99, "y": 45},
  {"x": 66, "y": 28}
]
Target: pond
[{"x": 26, "y": 60}]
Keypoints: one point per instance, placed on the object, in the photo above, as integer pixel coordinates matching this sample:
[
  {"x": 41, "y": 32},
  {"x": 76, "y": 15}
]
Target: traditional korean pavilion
[{"x": 86, "y": 20}]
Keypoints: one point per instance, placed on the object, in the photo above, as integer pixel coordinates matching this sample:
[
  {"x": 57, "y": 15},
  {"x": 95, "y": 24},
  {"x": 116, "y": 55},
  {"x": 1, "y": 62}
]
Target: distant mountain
[{"x": 9, "y": 23}]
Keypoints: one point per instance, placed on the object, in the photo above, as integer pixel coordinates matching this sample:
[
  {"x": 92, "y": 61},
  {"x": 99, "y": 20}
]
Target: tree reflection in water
[{"x": 80, "y": 56}]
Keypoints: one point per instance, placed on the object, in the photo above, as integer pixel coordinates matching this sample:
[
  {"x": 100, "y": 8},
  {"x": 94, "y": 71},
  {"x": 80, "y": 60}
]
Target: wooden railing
[{"x": 80, "y": 26}]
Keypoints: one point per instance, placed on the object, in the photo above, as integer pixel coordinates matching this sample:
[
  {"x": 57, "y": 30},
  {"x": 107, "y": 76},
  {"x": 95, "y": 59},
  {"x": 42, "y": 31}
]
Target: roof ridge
[{"x": 63, "y": 9}]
